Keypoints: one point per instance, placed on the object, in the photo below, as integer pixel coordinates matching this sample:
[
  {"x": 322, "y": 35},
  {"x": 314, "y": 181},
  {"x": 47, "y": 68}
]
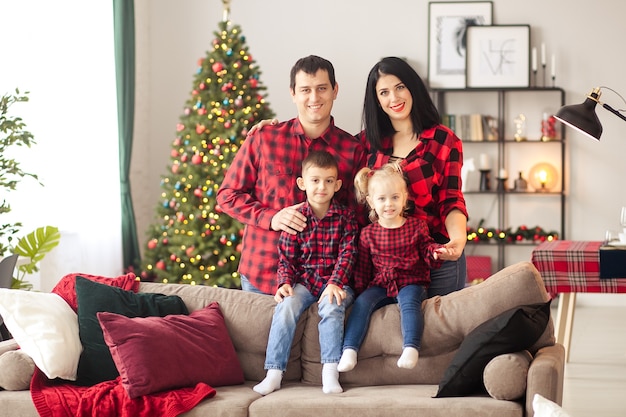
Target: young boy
[{"x": 314, "y": 265}]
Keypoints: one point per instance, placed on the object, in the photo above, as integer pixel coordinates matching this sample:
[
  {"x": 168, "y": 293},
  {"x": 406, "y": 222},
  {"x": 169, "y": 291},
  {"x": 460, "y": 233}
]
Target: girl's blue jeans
[{"x": 409, "y": 300}]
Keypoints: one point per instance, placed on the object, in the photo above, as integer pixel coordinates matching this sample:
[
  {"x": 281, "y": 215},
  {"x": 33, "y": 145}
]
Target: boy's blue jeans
[
  {"x": 285, "y": 319},
  {"x": 412, "y": 322}
]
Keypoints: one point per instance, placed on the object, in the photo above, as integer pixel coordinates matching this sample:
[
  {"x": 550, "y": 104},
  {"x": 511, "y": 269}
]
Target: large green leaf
[{"x": 36, "y": 245}]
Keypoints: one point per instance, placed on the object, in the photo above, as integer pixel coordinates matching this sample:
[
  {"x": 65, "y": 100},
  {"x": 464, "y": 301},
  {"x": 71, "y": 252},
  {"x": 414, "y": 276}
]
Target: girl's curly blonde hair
[{"x": 362, "y": 182}]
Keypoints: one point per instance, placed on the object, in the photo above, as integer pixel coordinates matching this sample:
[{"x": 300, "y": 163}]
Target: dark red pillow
[
  {"x": 154, "y": 354},
  {"x": 66, "y": 287}
]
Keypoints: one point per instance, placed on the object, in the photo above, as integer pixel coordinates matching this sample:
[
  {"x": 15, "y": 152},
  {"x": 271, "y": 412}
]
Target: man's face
[{"x": 314, "y": 97}]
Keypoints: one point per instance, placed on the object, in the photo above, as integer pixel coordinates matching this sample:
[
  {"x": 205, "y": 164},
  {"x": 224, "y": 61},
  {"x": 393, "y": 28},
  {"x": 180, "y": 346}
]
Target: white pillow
[
  {"x": 546, "y": 408},
  {"x": 46, "y": 329}
]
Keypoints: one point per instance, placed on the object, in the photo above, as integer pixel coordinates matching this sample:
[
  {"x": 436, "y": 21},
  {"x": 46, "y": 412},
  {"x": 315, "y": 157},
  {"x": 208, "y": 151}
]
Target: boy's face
[
  {"x": 313, "y": 96},
  {"x": 320, "y": 184}
]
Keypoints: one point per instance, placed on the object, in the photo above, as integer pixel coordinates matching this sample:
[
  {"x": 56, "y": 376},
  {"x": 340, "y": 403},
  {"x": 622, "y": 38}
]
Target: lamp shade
[
  {"x": 543, "y": 177},
  {"x": 582, "y": 117}
]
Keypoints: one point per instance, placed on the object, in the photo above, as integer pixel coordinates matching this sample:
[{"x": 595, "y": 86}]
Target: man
[{"x": 260, "y": 188}]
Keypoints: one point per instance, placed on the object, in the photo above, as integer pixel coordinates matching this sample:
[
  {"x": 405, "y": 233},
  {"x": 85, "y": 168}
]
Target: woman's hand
[{"x": 260, "y": 125}]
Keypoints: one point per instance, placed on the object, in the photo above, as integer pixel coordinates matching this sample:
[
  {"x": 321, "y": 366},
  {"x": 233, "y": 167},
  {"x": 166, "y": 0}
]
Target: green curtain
[{"x": 124, "y": 33}]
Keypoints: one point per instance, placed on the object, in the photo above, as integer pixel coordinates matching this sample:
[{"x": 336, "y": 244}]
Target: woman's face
[{"x": 394, "y": 97}]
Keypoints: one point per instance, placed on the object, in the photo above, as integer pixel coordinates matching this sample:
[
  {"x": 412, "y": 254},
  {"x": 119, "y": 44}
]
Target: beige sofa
[{"x": 376, "y": 387}]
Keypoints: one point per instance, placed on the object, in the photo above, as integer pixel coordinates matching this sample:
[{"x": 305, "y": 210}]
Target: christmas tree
[{"x": 193, "y": 242}]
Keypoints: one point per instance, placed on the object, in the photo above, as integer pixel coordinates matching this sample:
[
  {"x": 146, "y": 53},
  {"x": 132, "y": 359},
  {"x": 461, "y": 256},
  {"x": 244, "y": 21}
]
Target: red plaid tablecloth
[{"x": 573, "y": 266}]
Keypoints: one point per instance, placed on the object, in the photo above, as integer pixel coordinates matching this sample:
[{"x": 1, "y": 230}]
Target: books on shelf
[{"x": 473, "y": 127}]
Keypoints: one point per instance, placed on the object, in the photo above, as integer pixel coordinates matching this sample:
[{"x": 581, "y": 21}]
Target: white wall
[{"x": 172, "y": 36}]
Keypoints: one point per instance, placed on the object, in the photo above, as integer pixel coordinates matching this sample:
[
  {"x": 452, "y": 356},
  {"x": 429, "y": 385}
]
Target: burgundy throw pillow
[
  {"x": 66, "y": 287},
  {"x": 154, "y": 354}
]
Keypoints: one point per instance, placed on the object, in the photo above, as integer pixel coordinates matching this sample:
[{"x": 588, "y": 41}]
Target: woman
[{"x": 401, "y": 123}]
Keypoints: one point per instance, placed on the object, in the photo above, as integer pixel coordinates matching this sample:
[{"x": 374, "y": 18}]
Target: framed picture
[
  {"x": 447, "y": 26},
  {"x": 498, "y": 56}
]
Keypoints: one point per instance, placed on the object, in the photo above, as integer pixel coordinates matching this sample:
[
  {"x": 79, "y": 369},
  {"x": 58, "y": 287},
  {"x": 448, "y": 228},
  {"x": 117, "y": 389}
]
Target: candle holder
[
  {"x": 502, "y": 184},
  {"x": 484, "y": 180}
]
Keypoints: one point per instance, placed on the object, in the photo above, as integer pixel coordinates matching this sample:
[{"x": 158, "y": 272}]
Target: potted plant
[{"x": 39, "y": 242}]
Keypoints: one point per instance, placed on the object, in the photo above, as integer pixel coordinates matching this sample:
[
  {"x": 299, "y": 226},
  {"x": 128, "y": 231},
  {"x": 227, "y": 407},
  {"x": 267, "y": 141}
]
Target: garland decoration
[{"x": 522, "y": 234}]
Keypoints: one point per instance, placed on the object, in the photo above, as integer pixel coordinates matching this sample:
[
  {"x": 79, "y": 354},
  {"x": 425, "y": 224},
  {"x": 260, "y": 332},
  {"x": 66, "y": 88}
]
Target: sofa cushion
[
  {"x": 46, "y": 329},
  {"x": 16, "y": 370},
  {"x": 66, "y": 287},
  {"x": 245, "y": 314},
  {"x": 96, "y": 364},
  {"x": 505, "y": 375},
  {"x": 514, "y": 330},
  {"x": 141, "y": 350}
]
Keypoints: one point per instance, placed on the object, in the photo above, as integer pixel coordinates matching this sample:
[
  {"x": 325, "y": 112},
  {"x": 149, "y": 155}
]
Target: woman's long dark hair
[{"x": 376, "y": 123}]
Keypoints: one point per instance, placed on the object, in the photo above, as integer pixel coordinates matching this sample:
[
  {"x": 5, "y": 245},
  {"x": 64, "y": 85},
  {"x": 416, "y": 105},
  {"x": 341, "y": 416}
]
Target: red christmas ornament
[
  {"x": 174, "y": 153},
  {"x": 223, "y": 240},
  {"x": 160, "y": 265},
  {"x": 189, "y": 251},
  {"x": 165, "y": 241},
  {"x": 200, "y": 129},
  {"x": 196, "y": 159},
  {"x": 253, "y": 82},
  {"x": 184, "y": 157},
  {"x": 152, "y": 244},
  {"x": 202, "y": 86},
  {"x": 217, "y": 67},
  {"x": 173, "y": 257},
  {"x": 180, "y": 127},
  {"x": 197, "y": 192},
  {"x": 175, "y": 168},
  {"x": 227, "y": 125}
]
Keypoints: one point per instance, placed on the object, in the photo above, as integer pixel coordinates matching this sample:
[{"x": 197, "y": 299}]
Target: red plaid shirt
[
  {"x": 395, "y": 258},
  {"x": 262, "y": 180},
  {"x": 433, "y": 171},
  {"x": 324, "y": 252}
]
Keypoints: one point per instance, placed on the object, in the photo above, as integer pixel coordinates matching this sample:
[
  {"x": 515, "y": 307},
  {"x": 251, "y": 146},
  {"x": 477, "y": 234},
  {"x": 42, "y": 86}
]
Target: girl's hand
[
  {"x": 283, "y": 291},
  {"x": 260, "y": 125}
]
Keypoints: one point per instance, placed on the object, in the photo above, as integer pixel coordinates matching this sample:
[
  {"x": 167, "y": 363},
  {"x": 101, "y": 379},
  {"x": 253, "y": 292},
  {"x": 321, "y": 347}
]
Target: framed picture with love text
[
  {"x": 447, "y": 32},
  {"x": 498, "y": 56}
]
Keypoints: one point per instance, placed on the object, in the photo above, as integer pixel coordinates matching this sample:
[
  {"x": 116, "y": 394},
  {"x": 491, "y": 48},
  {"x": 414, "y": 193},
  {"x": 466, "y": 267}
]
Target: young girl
[{"x": 393, "y": 265}]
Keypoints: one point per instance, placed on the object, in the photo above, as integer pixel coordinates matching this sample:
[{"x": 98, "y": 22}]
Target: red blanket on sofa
[{"x": 109, "y": 399}]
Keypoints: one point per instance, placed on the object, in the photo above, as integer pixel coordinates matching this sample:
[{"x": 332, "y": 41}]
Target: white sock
[
  {"x": 409, "y": 357},
  {"x": 347, "y": 361},
  {"x": 271, "y": 382},
  {"x": 330, "y": 379}
]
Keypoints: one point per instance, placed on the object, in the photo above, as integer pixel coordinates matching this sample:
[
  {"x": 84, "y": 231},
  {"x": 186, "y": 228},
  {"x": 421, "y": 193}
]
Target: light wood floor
[{"x": 595, "y": 377}]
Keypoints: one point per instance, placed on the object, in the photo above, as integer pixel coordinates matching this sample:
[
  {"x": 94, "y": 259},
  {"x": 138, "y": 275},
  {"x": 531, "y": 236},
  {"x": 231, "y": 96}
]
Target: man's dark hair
[{"x": 310, "y": 65}]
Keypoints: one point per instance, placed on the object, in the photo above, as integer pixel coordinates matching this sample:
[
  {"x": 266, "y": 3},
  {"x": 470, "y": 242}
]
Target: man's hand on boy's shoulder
[{"x": 289, "y": 220}]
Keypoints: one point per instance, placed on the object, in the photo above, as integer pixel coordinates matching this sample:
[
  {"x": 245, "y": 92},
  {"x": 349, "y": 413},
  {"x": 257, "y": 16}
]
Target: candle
[
  {"x": 503, "y": 174},
  {"x": 543, "y": 54},
  {"x": 484, "y": 161},
  {"x": 534, "y": 60},
  {"x": 553, "y": 66}
]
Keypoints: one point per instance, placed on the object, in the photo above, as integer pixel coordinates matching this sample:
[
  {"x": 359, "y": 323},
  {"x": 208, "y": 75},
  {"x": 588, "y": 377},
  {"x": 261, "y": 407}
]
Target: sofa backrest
[{"x": 447, "y": 320}]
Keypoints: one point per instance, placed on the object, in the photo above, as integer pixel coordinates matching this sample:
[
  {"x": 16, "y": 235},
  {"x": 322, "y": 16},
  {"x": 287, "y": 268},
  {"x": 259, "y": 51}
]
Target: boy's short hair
[{"x": 320, "y": 159}]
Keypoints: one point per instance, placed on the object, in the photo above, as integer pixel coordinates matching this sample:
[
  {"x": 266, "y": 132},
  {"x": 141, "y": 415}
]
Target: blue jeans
[
  {"x": 412, "y": 322},
  {"x": 286, "y": 317},
  {"x": 450, "y": 277},
  {"x": 247, "y": 286}
]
